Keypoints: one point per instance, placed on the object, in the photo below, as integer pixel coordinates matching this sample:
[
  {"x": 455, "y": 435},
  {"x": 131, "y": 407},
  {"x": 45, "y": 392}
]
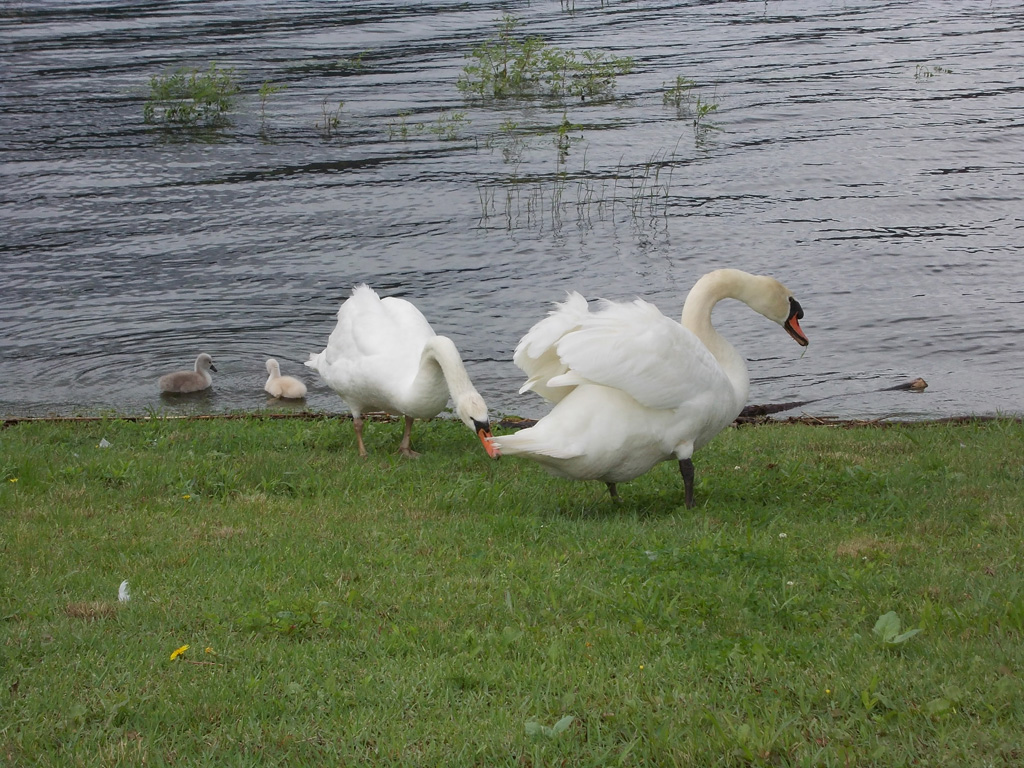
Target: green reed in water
[
  {"x": 507, "y": 66},
  {"x": 190, "y": 97},
  {"x": 268, "y": 89},
  {"x": 330, "y": 119}
]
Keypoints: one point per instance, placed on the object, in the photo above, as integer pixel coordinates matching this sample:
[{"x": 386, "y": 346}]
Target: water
[{"x": 865, "y": 153}]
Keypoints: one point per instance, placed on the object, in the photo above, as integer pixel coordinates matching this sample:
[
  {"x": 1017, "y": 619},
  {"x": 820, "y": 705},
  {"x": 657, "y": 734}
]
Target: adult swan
[
  {"x": 632, "y": 387},
  {"x": 384, "y": 356}
]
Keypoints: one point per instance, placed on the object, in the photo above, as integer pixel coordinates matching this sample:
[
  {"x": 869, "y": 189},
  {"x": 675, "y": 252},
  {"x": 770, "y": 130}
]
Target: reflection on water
[{"x": 864, "y": 153}]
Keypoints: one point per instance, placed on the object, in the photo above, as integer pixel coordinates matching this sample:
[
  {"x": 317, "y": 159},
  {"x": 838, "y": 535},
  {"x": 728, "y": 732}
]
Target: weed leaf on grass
[
  {"x": 533, "y": 728},
  {"x": 888, "y": 628}
]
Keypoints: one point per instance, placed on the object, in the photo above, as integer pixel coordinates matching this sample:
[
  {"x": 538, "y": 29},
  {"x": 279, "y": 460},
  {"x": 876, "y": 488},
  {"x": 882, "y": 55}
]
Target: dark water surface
[{"x": 868, "y": 154}]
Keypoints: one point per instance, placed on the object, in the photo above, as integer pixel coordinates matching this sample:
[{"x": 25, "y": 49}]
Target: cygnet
[
  {"x": 283, "y": 386},
  {"x": 180, "y": 382}
]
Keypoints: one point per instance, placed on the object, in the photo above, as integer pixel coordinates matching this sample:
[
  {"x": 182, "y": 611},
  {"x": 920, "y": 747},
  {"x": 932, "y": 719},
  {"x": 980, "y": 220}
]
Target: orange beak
[
  {"x": 792, "y": 324},
  {"x": 486, "y": 438},
  {"x": 793, "y": 329}
]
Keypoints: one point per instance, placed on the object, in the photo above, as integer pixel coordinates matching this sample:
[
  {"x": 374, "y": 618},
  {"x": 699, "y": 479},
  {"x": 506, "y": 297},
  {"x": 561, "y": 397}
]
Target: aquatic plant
[
  {"x": 267, "y": 89},
  {"x": 591, "y": 74},
  {"x": 923, "y": 71},
  {"x": 649, "y": 193},
  {"x": 702, "y": 109},
  {"x": 190, "y": 97},
  {"x": 679, "y": 94},
  {"x": 398, "y": 127},
  {"x": 506, "y": 66},
  {"x": 351, "y": 62},
  {"x": 511, "y": 142},
  {"x": 564, "y": 138},
  {"x": 448, "y": 126},
  {"x": 688, "y": 102},
  {"x": 502, "y": 66},
  {"x": 330, "y": 119}
]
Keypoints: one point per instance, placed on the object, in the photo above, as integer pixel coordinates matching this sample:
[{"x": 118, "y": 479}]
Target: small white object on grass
[
  {"x": 104, "y": 443},
  {"x": 123, "y": 593}
]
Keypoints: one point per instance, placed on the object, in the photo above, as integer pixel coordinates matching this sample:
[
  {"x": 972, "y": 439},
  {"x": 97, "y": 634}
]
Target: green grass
[{"x": 458, "y": 611}]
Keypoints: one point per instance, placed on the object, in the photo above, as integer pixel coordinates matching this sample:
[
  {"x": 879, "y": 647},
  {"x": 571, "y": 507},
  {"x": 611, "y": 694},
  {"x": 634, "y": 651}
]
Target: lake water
[{"x": 868, "y": 154}]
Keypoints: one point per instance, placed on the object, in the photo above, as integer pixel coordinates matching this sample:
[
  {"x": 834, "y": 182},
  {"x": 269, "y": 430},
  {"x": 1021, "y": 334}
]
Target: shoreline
[{"x": 754, "y": 415}]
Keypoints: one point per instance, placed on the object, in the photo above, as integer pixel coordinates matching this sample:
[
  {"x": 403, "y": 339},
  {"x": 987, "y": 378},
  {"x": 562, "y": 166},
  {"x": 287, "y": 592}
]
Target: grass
[{"x": 457, "y": 611}]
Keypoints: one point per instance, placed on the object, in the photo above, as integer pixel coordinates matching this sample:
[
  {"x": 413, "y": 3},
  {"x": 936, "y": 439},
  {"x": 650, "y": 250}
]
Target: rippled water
[{"x": 865, "y": 153}]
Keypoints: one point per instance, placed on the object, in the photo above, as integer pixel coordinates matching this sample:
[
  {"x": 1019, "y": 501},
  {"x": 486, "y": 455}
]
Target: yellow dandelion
[
  {"x": 178, "y": 652},
  {"x": 12, "y": 480},
  {"x": 186, "y": 496},
  {"x": 208, "y": 649}
]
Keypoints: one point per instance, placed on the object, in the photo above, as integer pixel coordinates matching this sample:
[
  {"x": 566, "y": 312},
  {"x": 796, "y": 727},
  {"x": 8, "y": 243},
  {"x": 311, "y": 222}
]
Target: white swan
[
  {"x": 181, "y": 382},
  {"x": 384, "y": 356},
  {"x": 632, "y": 387},
  {"x": 279, "y": 386}
]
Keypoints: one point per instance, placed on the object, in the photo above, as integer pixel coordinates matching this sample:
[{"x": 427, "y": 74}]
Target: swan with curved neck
[
  {"x": 383, "y": 356},
  {"x": 631, "y": 387}
]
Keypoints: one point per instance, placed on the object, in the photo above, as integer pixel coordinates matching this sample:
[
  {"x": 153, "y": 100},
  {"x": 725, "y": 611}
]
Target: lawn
[{"x": 454, "y": 610}]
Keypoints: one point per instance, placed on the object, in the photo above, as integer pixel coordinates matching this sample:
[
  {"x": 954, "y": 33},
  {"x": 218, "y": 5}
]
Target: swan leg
[
  {"x": 357, "y": 421},
  {"x": 405, "y": 448},
  {"x": 613, "y": 492},
  {"x": 686, "y": 470}
]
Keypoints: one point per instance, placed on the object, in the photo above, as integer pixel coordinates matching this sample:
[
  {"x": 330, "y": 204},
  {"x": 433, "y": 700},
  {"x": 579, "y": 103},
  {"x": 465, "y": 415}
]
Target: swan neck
[
  {"x": 701, "y": 300},
  {"x": 441, "y": 350},
  {"x": 705, "y": 294}
]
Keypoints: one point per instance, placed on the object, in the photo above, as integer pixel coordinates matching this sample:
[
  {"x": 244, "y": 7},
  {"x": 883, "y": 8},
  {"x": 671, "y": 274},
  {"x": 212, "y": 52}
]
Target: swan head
[
  {"x": 273, "y": 366},
  {"x": 775, "y": 301},
  {"x": 205, "y": 363},
  {"x": 761, "y": 293},
  {"x": 471, "y": 408}
]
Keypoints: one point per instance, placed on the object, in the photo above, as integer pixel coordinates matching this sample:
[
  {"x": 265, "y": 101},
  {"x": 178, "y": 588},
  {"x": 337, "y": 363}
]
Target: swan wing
[
  {"x": 634, "y": 348},
  {"x": 536, "y": 354},
  {"x": 370, "y": 327},
  {"x": 373, "y": 354}
]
